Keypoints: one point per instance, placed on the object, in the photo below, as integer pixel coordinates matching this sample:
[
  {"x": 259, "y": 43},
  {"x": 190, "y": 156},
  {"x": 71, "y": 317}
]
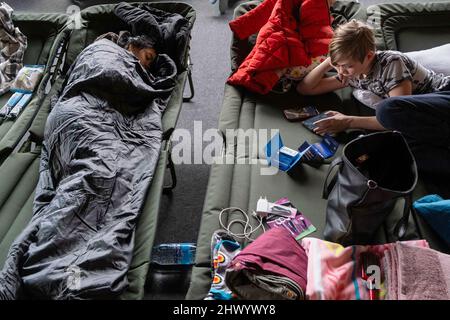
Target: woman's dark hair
[{"x": 141, "y": 42}]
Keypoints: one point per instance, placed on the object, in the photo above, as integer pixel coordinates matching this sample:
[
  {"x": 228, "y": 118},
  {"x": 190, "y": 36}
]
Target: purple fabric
[{"x": 275, "y": 252}]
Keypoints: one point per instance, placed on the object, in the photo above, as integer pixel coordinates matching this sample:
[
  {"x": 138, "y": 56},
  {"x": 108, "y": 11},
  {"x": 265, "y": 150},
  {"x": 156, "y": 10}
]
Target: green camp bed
[
  {"x": 239, "y": 182},
  {"x": 21, "y": 169},
  {"x": 45, "y": 33},
  {"x": 97, "y": 20}
]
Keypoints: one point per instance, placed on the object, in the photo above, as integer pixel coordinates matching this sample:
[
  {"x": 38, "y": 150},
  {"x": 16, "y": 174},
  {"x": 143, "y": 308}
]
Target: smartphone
[
  {"x": 309, "y": 123},
  {"x": 300, "y": 114}
]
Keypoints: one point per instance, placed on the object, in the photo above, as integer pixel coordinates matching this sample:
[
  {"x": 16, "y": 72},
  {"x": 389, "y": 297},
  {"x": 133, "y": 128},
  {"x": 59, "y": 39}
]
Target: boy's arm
[
  {"x": 338, "y": 122},
  {"x": 404, "y": 88},
  {"x": 315, "y": 83},
  {"x": 369, "y": 123}
]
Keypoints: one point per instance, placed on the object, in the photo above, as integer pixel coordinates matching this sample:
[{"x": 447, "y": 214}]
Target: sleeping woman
[{"x": 101, "y": 145}]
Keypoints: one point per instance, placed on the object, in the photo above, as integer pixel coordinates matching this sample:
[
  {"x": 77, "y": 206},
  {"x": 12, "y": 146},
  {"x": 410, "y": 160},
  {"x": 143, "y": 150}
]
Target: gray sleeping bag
[{"x": 102, "y": 143}]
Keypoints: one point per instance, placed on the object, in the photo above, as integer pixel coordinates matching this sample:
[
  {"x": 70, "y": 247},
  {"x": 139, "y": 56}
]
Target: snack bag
[{"x": 28, "y": 78}]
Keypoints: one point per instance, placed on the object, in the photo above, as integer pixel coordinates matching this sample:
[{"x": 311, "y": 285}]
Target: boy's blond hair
[{"x": 352, "y": 40}]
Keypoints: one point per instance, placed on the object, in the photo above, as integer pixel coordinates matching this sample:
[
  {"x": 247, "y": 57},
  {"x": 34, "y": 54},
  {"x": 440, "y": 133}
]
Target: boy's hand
[
  {"x": 343, "y": 79},
  {"x": 327, "y": 62},
  {"x": 337, "y": 122}
]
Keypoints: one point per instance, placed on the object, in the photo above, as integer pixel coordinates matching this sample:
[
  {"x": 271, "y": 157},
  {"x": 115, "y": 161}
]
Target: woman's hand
[{"x": 337, "y": 122}]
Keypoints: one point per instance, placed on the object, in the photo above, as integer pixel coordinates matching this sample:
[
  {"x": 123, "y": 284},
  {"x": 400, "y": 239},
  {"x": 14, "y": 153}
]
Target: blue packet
[
  {"x": 278, "y": 155},
  {"x": 319, "y": 151},
  {"x": 12, "y": 101},
  {"x": 289, "y": 160},
  {"x": 21, "y": 104}
]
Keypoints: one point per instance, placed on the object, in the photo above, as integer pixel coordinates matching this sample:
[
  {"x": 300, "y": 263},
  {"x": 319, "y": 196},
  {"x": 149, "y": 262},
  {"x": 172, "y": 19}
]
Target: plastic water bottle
[{"x": 174, "y": 254}]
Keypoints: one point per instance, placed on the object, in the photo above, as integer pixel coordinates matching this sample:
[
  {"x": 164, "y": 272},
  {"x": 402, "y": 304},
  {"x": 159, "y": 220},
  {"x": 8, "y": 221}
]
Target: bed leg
[
  {"x": 223, "y": 5},
  {"x": 173, "y": 175},
  {"x": 191, "y": 82}
]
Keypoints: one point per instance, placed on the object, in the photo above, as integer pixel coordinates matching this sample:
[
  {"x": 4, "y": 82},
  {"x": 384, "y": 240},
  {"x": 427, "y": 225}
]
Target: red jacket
[{"x": 283, "y": 41}]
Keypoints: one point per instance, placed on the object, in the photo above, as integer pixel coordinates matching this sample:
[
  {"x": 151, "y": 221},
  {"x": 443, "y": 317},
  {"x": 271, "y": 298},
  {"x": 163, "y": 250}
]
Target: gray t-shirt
[{"x": 391, "y": 68}]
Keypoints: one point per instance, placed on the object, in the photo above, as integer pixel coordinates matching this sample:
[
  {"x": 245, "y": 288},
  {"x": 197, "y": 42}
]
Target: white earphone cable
[{"x": 248, "y": 228}]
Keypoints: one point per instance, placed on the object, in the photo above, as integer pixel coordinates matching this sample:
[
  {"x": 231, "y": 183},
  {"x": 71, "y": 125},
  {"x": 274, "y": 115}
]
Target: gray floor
[{"x": 180, "y": 213}]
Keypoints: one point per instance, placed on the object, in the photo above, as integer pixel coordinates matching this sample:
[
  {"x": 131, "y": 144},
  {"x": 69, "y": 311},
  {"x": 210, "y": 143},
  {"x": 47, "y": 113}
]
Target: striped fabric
[{"x": 334, "y": 271}]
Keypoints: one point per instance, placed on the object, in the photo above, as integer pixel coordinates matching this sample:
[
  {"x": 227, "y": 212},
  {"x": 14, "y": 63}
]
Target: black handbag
[{"x": 375, "y": 170}]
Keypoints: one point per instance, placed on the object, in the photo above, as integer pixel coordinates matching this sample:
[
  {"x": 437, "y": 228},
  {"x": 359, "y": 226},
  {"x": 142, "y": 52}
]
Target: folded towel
[
  {"x": 415, "y": 273},
  {"x": 274, "y": 266}
]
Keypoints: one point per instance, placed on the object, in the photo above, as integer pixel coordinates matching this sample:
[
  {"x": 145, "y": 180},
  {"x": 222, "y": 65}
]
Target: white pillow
[
  {"x": 436, "y": 59},
  {"x": 366, "y": 97}
]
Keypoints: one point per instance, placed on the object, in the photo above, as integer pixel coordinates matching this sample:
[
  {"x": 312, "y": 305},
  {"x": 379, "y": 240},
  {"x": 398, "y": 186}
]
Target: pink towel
[{"x": 415, "y": 273}]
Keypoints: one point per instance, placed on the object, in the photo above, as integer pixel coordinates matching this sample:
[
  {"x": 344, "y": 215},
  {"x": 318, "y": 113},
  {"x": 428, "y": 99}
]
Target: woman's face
[{"x": 146, "y": 56}]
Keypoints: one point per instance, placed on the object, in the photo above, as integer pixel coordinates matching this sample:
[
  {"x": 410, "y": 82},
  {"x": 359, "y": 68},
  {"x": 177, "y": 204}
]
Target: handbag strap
[
  {"x": 328, "y": 186},
  {"x": 402, "y": 224}
]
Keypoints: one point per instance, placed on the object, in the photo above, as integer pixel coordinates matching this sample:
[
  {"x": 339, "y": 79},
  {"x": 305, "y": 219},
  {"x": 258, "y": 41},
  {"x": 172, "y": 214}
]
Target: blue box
[
  {"x": 286, "y": 159},
  {"x": 281, "y": 156}
]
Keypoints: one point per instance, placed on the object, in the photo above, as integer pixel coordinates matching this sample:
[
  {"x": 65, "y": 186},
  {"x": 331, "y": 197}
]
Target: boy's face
[{"x": 352, "y": 68}]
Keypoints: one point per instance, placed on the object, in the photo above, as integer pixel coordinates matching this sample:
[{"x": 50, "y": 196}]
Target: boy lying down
[
  {"x": 101, "y": 145},
  {"x": 415, "y": 100}
]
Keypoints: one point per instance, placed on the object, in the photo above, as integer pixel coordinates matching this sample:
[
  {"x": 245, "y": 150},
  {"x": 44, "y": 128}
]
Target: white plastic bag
[{"x": 28, "y": 78}]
